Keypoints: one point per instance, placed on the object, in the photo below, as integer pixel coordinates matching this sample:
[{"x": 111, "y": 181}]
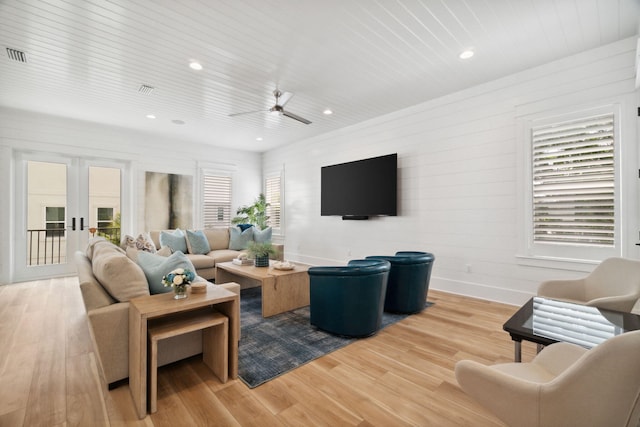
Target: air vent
[
  {"x": 16, "y": 55},
  {"x": 146, "y": 89}
]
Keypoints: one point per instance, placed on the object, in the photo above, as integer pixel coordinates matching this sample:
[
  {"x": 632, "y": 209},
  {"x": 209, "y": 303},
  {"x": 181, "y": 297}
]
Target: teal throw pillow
[
  {"x": 244, "y": 226},
  {"x": 156, "y": 266},
  {"x": 198, "y": 242},
  {"x": 262, "y": 236},
  {"x": 175, "y": 240},
  {"x": 239, "y": 240}
]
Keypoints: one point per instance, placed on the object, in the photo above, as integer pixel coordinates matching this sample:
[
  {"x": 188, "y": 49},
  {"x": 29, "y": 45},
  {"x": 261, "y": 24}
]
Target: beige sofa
[
  {"x": 218, "y": 239},
  {"x": 108, "y": 280}
]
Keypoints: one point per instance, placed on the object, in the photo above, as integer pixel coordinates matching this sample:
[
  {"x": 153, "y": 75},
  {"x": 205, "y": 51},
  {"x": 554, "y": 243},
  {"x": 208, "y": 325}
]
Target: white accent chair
[
  {"x": 612, "y": 285},
  {"x": 564, "y": 385}
]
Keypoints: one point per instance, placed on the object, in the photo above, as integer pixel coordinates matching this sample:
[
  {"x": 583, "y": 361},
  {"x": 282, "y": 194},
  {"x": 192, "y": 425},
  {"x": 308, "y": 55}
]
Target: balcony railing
[
  {"x": 49, "y": 246},
  {"x": 46, "y": 246}
]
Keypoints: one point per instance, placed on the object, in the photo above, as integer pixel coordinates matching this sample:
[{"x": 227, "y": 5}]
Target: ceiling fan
[{"x": 278, "y": 109}]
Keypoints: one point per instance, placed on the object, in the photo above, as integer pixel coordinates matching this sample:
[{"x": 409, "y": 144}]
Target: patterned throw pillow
[
  {"x": 142, "y": 243},
  {"x": 197, "y": 242}
]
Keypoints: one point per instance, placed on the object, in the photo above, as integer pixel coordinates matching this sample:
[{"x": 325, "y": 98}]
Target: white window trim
[
  {"x": 212, "y": 169},
  {"x": 568, "y": 256},
  {"x": 271, "y": 174}
]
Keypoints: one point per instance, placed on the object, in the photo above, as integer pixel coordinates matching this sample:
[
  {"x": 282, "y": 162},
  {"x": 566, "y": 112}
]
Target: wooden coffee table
[{"x": 282, "y": 290}]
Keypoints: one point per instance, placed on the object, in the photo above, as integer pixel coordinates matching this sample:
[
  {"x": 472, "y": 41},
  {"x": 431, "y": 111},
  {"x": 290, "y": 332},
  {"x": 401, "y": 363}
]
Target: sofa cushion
[
  {"x": 155, "y": 267},
  {"x": 175, "y": 240},
  {"x": 120, "y": 276},
  {"x": 223, "y": 255},
  {"x": 262, "y": 236},
  {"x": 197, "y": 242},
  {"x": 218, "y": 237},
  {"x": 201, "y": 261},
  {"x": 239, "y": 240}
]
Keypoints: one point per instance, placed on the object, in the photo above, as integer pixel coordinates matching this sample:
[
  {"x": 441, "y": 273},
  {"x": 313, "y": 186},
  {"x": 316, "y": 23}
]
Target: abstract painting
[{"x": 168, "y": 201}]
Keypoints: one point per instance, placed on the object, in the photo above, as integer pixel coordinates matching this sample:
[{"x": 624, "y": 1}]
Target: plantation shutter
[
  {"x": 272, "y": 195},
  {"x": 217, "y": 200},
  {"x": 573, "y": 175}
]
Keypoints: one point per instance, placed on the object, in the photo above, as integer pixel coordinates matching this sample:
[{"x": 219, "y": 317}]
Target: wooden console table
[{"x": 143, "y": 309}]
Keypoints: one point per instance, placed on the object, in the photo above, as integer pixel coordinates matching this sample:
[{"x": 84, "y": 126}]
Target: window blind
[
  {"x": 272, "y": 195},
  {"x": 217, "y": 200},
  {"x": 573, "y": 175}
]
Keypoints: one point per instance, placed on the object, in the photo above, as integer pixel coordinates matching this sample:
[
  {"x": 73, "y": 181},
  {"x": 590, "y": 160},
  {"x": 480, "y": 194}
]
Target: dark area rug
[{"x": 275, "y": 345}]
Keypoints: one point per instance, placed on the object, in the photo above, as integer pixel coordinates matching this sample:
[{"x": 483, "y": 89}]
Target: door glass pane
[
  {"x": 46, "y": 207},
  {"x": 104, "y": 203}
]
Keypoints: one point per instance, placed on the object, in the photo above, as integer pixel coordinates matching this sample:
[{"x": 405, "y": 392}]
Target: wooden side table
[
  {"x": 143, "y": 309},
  {"x": 215, "y": 344}
]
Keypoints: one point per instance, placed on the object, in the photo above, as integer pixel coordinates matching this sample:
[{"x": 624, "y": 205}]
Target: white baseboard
[{"x": 480, "y": 291}]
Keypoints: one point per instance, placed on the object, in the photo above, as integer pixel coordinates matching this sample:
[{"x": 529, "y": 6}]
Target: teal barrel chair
[
  {"x": 349, "y": 300},
  {"x": 408, "y": 281}
]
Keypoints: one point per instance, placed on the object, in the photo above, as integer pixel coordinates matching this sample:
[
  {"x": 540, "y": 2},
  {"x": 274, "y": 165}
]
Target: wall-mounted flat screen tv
[{"x": 359, "y": 189}]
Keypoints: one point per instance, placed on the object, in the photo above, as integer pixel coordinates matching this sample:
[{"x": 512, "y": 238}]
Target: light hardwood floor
[{"x": 401, "y": 377}]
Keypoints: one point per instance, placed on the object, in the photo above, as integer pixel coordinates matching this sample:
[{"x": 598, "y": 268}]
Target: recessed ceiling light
[
  {"x": 151, "y": 116},
  {"x": 259, "y": 138},
  {"x": 195, "y": 65},
  {"x": 328, "y": 111},
  {"x": 178, "y": 122},
  {"x": 466, "y": 54}
]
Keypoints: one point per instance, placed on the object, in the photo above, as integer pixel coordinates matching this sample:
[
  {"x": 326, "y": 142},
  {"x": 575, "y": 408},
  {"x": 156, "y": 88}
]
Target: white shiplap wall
[
  {"x": 458, "y": 176},
  {"x": 20, "y": 130}
]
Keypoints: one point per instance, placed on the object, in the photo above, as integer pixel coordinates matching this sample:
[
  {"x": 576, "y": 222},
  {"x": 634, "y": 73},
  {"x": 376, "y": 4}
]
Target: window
[
  {"x": 571, "y": 211},
  {"x": 54, "y": 221},
  {"x": 216, "y": 193},
  {"x": 573, "y": 179},
  {"x": 273, "y": 196},
  {"x": 105, "y": 218}
]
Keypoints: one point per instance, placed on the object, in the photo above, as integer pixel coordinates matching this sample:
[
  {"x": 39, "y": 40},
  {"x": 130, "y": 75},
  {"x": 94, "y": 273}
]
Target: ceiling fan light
[{"x": 195, "y": 66}]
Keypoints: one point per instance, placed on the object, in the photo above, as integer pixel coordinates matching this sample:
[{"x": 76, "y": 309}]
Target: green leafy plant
[
  {"x": 261, "y": 249},
  {"x": 255, "y": 214}
]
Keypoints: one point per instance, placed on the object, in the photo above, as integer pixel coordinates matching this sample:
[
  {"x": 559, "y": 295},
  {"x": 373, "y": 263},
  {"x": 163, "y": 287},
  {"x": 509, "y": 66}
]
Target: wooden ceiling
[{"x": 360, "y": 58}]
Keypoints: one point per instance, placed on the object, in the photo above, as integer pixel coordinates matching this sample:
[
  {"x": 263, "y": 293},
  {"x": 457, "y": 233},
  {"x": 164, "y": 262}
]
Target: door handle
[
  {"x": 82, "y": 224},
  {"x": 73, "y": 223}
]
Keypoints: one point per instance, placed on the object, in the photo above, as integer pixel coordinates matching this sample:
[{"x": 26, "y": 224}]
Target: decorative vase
[
  {"x": 261, "y": 261},
  {"x": 180, "y": 291}
]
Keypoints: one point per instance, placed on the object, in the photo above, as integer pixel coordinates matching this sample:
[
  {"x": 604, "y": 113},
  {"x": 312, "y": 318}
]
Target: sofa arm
[{"x": 110, "y": 331}]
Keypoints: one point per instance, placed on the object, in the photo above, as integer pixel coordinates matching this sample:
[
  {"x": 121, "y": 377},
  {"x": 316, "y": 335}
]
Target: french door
[{"x": 61, "y": 202}]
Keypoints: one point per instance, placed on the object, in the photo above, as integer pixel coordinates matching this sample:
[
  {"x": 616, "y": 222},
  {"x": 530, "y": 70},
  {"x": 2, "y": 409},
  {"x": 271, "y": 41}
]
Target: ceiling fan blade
[
  {"x": 295, "y": 117},
  {"x": 247, "y": 112},
  {"x": 284, "y": 98}
]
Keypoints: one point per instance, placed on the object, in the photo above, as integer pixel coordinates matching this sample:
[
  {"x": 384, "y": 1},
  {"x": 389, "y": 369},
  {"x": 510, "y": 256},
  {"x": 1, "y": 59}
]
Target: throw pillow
[
  {"x": 243, "y": 227},
  {"x": 262, "y": 236},
  {"x": 156, "y": 266},
  {"x": 197, "y": 242},
  {"x": 142, "y": 243},
  {"x": 120, "y": 276},
  {"x": 175, "y": 240},
  {"x": 132, "y": 253},
  {"x": 239, "y": 240}
]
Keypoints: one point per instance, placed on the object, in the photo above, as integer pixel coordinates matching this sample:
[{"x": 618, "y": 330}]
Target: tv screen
[{"x": 361, "y": 189}]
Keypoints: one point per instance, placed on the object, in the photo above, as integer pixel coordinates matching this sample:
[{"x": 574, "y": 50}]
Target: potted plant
[
  {"x": 260, "y": 252},
  {"x": 255, "y": 214}
]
